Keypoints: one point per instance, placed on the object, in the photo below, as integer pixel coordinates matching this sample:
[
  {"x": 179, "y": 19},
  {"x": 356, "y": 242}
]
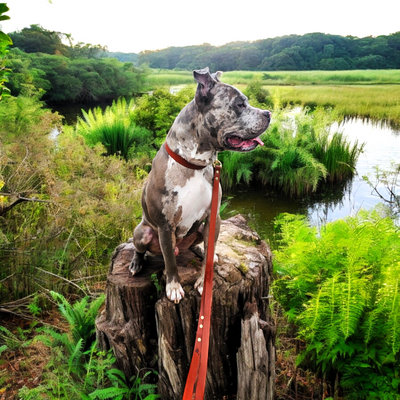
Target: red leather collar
[{"x": 181, "y": 160}]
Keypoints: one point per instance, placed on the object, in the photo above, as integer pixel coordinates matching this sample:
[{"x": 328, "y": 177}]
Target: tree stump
[{"x": 146, "y": 330}]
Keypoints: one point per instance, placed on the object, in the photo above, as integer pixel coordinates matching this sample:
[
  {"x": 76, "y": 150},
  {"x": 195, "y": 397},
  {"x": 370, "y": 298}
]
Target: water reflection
[{"x": 382, "y": 147}]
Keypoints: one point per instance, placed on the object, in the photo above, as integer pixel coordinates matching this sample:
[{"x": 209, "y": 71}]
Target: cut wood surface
[{"x": 147, "y": 331}]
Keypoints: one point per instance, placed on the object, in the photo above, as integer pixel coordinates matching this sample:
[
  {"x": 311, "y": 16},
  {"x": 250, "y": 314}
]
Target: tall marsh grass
[
  {"x": 299, "y": 156},
  {"x": 115, "y": 129},
  {"x": 373, "y": 102},
  {"x": 356, "y": 77}
]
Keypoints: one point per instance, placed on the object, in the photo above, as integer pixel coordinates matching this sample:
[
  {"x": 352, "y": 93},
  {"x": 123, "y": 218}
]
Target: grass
[
  {"x": 379, "y": 102},
  {"x": 356, "y": 77},
  {"x": 370, "y": 94},
  {"x": 168, "y": 78}
]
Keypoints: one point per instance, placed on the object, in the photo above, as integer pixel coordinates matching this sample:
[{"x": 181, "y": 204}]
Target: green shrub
[
  {"x": 116, "y": 130},
  {"x": 76, "y": 368},
  {"x": 66, "y": 229},
  {"x": 341, "y": 288},
  {"x": 157, "y": 111},
  {"x": 299, "y": 155}
]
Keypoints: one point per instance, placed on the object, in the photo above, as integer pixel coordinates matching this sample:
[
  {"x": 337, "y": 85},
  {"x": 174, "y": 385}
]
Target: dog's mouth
[{"x": 240, "y": 144}]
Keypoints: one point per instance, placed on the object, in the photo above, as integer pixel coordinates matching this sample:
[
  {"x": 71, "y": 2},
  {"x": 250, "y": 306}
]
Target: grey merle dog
[{"x": 176, "y": 200}]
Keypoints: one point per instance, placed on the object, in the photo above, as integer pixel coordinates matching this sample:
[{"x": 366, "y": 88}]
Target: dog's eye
[{"x": 241, "y": 105}]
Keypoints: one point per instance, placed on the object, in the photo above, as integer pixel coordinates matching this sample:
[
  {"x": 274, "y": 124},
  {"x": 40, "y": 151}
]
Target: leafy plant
[
  {"x": 14, "y": 341},
  {"x": 157, "y": 111},
  {"x": 5, "y": 41},
  {"x": 341, "y": 288},
  {"x": 115, "y": 129},
  {"x": 135, "y": 390},
  {"x": 76, "y": 367},
  {"x": 81, "y": 317}
]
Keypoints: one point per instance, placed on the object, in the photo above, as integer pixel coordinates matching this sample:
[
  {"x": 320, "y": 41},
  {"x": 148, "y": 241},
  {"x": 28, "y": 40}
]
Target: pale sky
[{"x": 137, "y": 25}]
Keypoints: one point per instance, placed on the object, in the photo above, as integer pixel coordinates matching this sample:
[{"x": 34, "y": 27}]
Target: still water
[{"x": 382, "y": 145}]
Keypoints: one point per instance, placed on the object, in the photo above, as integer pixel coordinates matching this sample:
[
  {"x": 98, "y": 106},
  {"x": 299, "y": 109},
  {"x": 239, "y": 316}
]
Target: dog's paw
[
  {"x": 175, "y": 292},
  {"x": 137, "y": 263},
  {"x": 199, "y": 284}
]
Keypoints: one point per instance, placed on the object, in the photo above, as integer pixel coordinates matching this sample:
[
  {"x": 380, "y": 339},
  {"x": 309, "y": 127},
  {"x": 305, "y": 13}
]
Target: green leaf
[{"x": 5, "y": 38}]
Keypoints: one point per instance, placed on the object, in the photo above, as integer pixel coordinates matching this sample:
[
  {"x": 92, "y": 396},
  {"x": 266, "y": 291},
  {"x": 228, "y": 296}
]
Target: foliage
[
  {"x": 378, "y": 102},
  {"x": 5, "y": 41},
  {"x": 116, "y": 129},
  {"x": 389, "y": 193},
  {"x": 341, "y": 288},
  {"x": 35, "y": 39},
  {"x": 72, "y": 80},
  {"x": 157, "y": 111},
  {"x": 81, "y": 317},
  {"x": 312, "y": 51},
  {"x": 299, "y": 155},
  {"x": 62, "y": 236},
  {"x": 14, "y": 341},
  {"x": 258, "y": 95},
  {"x": 88, "y": 374}
]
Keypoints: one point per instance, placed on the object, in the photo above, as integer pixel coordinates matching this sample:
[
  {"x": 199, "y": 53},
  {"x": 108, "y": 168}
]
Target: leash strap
[
  {"x": 181, "y": 160},
  {"x": 196, "y": 380}
]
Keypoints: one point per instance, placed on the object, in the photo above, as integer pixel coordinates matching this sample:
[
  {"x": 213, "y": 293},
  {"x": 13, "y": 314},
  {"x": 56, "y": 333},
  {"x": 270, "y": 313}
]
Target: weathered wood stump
[{"x": 146, "y": 330}]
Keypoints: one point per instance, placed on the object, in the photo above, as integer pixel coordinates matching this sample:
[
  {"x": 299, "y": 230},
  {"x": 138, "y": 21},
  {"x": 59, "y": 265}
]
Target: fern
[
  {"x": 81, "y": 316},
  {"x": 342, "y": 289}
]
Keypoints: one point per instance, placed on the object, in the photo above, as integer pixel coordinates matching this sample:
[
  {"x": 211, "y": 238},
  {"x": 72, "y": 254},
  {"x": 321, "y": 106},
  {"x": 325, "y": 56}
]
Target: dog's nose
[{"x": 267, "y": 114}]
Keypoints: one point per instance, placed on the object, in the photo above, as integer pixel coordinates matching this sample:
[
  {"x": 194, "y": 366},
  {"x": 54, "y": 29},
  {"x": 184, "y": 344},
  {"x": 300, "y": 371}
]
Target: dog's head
[{"x": 227, "y": 115}]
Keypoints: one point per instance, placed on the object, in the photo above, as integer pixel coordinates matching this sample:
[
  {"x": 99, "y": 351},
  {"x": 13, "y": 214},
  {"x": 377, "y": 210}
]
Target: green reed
[
  {"x": 299, "y": 157},
  {"x": 379, "y": 103}
]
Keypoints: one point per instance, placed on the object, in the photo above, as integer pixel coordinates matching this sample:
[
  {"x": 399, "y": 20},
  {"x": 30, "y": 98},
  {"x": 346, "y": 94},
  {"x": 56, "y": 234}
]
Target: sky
[{"x": 132, "y": 26}]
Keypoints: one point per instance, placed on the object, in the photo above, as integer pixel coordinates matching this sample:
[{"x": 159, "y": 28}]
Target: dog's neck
[{"x": 187, "y": 138}]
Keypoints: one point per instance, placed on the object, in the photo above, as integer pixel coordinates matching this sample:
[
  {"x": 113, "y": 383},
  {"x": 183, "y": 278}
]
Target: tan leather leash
[{"x": 196, "y": 380}]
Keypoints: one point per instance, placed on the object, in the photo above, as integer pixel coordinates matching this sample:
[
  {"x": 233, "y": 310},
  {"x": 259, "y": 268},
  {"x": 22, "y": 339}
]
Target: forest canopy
[
  {"x": 312, "y": 51},
  {"x": 68, "y": 73}
]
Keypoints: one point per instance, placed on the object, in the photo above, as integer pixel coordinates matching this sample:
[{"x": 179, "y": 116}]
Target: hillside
[{"x": 312, "y": 51}]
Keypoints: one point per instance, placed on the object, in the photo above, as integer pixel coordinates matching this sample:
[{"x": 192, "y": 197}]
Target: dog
[{"x": 176, "y": 200}]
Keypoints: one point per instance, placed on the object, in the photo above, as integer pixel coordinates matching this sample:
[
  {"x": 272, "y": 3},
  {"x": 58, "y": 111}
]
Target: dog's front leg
[
  {"x": 173, "y": 288},
  {"x": 200, "y": 280}
]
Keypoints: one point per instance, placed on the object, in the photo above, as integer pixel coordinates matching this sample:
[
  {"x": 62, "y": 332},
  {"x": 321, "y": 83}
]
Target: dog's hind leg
[
  {"x": 173, "y": 287},
  {"x": 142, "y": 236},
  {"x": 200, "y": 280}
]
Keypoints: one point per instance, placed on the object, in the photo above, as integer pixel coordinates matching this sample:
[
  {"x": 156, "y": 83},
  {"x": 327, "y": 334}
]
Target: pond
[{"x": 382, "y": 145}]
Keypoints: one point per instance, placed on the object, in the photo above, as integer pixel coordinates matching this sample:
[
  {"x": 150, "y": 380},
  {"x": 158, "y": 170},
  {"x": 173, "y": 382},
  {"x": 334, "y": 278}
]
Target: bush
[
  {"x": 78, "y": 205},
  {"x": 342, "y": 289},
  {"x": 157, "y": 112},
  {"x": 116, "y": 130}
]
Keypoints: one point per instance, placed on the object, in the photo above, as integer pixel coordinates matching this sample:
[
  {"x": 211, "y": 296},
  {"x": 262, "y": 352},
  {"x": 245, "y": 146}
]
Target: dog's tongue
[{"x": 259, "y": 141}]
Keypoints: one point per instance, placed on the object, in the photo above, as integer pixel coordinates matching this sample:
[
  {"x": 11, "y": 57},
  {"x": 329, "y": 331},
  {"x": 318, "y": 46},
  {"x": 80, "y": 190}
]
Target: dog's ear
[
  {"x": 205, "y": 81},
  {"x": 217, "y": 75}
]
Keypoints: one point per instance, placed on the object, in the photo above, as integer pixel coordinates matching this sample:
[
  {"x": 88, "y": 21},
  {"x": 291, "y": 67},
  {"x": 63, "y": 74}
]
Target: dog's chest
[{"x": 192, "y": 202}]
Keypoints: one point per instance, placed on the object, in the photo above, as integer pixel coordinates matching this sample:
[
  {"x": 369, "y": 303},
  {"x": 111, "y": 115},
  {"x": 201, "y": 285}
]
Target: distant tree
[
  {"x": 371, "y": 62},
  {"x": 64, "y": 80},
  {"x": 290, "y": 52},
  {"x": 35, "y": 39},
  {"x": 123, "y": 57}
]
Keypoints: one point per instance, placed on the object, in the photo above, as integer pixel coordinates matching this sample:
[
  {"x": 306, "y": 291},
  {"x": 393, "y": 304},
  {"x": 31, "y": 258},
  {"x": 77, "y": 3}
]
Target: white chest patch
[{"x": 195, "y": 200}]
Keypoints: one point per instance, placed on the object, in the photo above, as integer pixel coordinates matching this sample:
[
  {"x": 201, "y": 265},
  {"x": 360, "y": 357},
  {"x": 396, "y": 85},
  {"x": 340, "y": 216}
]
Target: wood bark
[{"x": 146, "y": 330}]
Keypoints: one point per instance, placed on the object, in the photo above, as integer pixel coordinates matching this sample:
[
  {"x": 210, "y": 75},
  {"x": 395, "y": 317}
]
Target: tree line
[
  {"x": 68, "y": 73},
  {"x": 312, "y": 51}
]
